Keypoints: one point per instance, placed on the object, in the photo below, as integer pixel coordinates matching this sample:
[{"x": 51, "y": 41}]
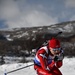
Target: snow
[{"x": 68, "y": 68}]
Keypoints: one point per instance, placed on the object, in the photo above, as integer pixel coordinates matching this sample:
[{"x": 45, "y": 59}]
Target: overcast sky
[{"x": 29, "y": 13}]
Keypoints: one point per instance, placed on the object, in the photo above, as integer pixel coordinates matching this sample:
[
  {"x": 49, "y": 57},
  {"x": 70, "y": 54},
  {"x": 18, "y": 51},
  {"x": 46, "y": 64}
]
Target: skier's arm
[
  {"x": 43, "y": 59},
  {"x": 60, "y": 58},
  {"x": 59, "y": 63}
]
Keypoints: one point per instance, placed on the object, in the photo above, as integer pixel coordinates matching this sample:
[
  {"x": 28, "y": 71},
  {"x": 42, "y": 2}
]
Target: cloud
[
  {"x": 70, "y": 3},
  {"x": 33, "y": 18},
  {"x": 72, "y": 18},
  {"x": 19, "y": 14},
  {"x": 9, "y": 9}
]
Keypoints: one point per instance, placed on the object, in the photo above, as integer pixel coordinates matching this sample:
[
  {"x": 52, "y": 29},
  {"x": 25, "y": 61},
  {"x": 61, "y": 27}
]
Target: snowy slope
[{"x": 68, "y": 68}]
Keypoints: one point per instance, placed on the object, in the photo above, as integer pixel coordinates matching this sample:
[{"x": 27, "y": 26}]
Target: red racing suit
[{"x": 44, "y": 62}]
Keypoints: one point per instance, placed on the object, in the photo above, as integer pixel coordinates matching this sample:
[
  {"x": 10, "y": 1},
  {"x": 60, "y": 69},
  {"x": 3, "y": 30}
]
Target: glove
[
  {"x": 56, "y": 58},
  {"x": 59, "y": 57}
]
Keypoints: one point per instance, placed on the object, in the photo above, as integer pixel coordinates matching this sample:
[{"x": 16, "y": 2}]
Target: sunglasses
[{"x": 56, "y": 49}]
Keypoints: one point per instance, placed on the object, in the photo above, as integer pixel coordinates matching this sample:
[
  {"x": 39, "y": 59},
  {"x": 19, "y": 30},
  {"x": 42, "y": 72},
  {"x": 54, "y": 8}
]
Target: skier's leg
[
  {"x": 40, "y": 71},
  {"x": 56, "y": 71}
]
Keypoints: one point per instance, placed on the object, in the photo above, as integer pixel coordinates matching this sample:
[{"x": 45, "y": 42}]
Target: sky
[{"x": 33, "y": 13}]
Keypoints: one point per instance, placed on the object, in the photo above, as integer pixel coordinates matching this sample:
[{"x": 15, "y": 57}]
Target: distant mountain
[{"x": 68, "y": 29}]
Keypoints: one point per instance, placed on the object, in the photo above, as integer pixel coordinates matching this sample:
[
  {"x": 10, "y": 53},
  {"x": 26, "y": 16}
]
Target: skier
[{"x": 49, "y": 59}]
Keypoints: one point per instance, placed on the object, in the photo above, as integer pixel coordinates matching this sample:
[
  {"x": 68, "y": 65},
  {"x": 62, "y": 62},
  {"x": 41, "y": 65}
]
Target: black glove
[
  {"x": 59, "y": 57},
  {"x": 56, "y": 58}
]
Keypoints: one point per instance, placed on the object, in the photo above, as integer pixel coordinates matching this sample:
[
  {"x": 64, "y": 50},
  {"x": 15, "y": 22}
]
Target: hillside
[{"x": 20, "y": 39}]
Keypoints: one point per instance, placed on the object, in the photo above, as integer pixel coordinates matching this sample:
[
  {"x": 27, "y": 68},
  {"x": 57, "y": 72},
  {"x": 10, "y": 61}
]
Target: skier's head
[
  {"x": 54, "y": 43},
  {"x": 54, "y": 46}
]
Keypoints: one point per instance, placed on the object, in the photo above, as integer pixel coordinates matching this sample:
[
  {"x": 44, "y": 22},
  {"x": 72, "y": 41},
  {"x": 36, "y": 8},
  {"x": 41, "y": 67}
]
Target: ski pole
[
  {"x": 5, "y": 72},
  {"x": 19, "y": 69}
]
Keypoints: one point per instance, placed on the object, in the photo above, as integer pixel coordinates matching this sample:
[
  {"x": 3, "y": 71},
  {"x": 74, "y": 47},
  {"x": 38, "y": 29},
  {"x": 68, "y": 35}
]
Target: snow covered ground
[{"x": 68, "y": 68}]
